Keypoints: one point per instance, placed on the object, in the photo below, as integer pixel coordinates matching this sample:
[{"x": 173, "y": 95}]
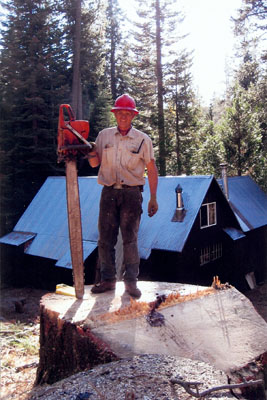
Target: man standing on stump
[{"x": 123, "y": 153}]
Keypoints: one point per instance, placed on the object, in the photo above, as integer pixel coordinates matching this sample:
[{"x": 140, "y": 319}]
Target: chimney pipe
[
  {"x": 179, "y": 213},
  {"x": 225, "y": 180},
  {"x": 179, "y": 198}
]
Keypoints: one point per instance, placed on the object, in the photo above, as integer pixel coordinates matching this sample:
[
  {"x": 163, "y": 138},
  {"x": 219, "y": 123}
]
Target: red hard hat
[{"x": 125, "y": 102}]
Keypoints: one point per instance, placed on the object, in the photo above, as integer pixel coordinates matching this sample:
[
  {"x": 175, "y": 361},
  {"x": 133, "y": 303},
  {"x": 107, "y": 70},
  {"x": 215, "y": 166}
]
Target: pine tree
[
  {"x": 141, "y": 65},
  {"x": 253, "y": 12},
  {"x": 76, "y": 95},
  {"x": 182, "y": 114},
  {"x": 153, "y": 33},
  {"x": 251, "y": 80},
  {"x": 159, "y": 74},
  {"x": 241, "y": 134},
  {"x": 32, "y": 85},
  {"x": 209, "y": 148},
  {"x": 250, "y": 25}
]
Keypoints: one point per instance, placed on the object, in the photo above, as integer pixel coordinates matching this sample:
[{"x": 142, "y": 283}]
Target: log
[{"x": 214, "y": 326}]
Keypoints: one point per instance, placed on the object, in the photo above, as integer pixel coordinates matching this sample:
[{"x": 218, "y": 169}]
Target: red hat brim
[{"x": 125, "y": 108}]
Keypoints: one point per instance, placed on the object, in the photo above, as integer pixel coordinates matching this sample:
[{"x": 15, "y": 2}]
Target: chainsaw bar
[
  {"x": 75, "y": 227},
  {"x": 71, "y": 139}
]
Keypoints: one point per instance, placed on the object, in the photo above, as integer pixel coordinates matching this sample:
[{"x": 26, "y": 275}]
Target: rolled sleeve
[{"x": 148, "y": 151}]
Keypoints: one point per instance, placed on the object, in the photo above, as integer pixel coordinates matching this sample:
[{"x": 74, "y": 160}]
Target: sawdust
[{"x": 137, "y": 309}]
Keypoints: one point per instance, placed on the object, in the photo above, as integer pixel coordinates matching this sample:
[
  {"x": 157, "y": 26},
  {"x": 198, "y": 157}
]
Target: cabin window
[
  {"x": 210, "y": 253},
  {"x": 208, "y": 215}
]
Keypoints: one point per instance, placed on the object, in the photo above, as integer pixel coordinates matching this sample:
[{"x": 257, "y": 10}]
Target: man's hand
[
  {"x": 92, "y": 156},
  {"x": 89, "y": 149},
  {"x": 152, "y": 206},
  {"x": 93, "y": 148},
  {"x": 152, "y": 174}
]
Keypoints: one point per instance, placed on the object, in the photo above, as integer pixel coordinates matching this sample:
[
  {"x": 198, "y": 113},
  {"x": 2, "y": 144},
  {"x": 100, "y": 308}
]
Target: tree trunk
[
  {"x": 112, "y": 70},
  {"x": 161, "y": 128},
  {"x": 76, "y": 82},
  {"x": 113, "y": 37},
  {"x": 178, "y": 150}
]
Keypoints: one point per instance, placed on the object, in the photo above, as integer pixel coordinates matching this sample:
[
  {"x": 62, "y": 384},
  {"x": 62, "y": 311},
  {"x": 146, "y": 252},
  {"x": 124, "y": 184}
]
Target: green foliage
[
  {"x": 210, "y": 151},
  {"x": 141, "y": 67},
  {"x": 252, "y": 13},
  {"x": 31, "y": 91},
  {"x": 36, "y": 64},
  {"x": 154, "y": 35},
  {"x": 100, "y": 114},
  {"x": 241, "y": 134},
  {"x": 181, "y": 116}
]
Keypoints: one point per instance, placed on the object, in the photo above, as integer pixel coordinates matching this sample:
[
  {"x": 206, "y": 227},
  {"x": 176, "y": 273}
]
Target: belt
[{"x": 122, "y": 186}]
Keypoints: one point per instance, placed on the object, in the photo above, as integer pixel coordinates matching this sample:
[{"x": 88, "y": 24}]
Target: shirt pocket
[
  {"x": 130, "y": 160},
  {"x": 108, "y": 156}
]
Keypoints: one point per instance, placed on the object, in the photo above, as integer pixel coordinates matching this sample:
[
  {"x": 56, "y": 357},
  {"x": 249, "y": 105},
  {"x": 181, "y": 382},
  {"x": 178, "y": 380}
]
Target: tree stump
[
  {"x": 67, "y": 343},
  {"x": 215, "y": 325},
  {"x": 66, "y": 347}
]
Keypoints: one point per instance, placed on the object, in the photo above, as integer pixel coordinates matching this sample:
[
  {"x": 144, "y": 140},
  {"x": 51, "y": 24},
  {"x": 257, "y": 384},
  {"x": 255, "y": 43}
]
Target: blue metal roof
[
  {"x": 44, "y": 224},
  {"x": 46, "y": 217},
  {"x": 159, "y": 232},
  {"x": 234, "y": 234},
  {"x": 248, "y": 202},
  {"x": 65, "y": 261},
  {"x": 17, "y": 238}
]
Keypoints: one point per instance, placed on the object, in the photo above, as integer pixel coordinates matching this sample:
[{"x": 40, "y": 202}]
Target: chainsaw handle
[
  {"x": 76, "y": 147},
  {"x": 71, "y": 115}
]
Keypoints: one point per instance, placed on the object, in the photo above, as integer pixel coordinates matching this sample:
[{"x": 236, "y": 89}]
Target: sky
[{"x": 211, "y": 37}]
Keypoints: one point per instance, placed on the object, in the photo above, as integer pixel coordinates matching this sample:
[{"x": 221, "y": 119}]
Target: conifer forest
[{"x": 87, "y": 53}]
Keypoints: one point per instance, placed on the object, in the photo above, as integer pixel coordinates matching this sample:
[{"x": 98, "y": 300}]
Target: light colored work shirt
[{"x": 123, "y": 158}]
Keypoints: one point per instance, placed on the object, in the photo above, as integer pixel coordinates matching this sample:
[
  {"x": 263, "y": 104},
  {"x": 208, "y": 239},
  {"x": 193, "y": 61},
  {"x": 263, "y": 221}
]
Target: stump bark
[{"x": 66, "y": 347}]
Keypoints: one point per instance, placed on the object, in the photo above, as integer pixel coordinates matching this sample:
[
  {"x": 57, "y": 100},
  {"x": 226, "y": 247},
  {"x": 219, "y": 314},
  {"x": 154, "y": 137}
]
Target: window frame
[
  {"x": 209, "y": 214},
  {"x": 210, "y": 253}
]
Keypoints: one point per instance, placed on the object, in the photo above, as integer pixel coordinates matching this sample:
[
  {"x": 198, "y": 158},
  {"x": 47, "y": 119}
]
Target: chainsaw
[{"x": 72, "y": 135}]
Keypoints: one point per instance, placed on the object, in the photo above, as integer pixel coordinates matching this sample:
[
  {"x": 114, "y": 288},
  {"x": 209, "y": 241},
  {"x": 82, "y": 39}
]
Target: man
[{"x": 123, "y": 153}]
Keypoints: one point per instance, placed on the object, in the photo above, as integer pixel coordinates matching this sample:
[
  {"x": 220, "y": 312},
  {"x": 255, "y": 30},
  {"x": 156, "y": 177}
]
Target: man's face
[{"x": 124, "y": 119}]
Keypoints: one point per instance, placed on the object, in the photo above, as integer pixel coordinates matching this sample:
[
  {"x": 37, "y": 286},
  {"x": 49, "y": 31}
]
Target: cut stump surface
[{"x": 220, "y": 327}]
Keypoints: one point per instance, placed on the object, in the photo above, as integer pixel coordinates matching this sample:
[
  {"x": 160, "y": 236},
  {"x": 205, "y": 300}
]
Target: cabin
[{"x": 204, "y": 227}]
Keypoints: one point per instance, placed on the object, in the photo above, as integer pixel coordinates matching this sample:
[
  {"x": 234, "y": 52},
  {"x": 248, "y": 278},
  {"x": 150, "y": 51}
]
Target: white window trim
[
  {"x": 210, "y": 253},
  {"x": 208, "y": 215}
]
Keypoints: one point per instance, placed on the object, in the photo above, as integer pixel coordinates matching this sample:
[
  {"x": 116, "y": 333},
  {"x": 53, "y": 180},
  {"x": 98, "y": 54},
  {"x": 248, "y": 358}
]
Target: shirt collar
[{"x": 130, "y": 134}]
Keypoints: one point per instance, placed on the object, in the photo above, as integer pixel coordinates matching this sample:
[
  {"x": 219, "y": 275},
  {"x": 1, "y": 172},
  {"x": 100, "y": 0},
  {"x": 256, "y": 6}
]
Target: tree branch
[{"x": 187, "y": 387}]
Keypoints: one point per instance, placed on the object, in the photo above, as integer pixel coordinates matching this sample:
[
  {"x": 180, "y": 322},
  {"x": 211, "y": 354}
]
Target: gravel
[{"x": 146, "y": 377}]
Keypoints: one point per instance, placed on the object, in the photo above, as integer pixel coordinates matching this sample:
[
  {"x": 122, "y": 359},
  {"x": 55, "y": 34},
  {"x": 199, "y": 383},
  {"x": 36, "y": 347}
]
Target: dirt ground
[
  {"x": 19, "y": 340},
  {"x": 19, "y": 317}
]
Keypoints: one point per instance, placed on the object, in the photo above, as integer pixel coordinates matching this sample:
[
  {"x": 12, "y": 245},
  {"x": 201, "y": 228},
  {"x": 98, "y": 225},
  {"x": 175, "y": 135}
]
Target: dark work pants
[{"x": 119, "y": 208}]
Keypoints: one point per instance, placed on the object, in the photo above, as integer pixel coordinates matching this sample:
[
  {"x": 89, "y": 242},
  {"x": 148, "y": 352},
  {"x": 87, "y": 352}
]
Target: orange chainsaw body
[{"x": 65, "y": 136}]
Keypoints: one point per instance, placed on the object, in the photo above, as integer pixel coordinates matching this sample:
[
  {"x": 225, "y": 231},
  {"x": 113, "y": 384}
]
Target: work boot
[
  {"x": 104, "y": 286},
  {"x": 132, "y": 289}
]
